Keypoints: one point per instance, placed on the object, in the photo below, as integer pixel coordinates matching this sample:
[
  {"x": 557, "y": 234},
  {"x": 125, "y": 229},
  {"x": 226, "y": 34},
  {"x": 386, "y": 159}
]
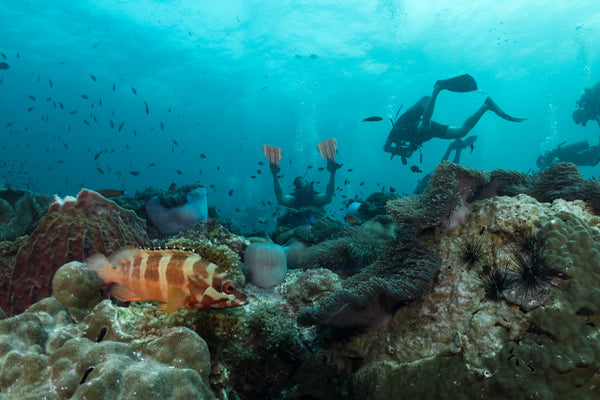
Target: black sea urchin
[
  {"x": 470, "y": 251},
  {"x": 533, "y": 273}
]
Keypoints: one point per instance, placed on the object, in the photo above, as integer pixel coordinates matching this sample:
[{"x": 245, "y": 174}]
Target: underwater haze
[{"x": 136, "y": 94}]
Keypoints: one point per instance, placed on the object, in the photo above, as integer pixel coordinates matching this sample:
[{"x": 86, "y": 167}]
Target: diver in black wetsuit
[
  {"x": 580, "y": 153},
  {"x": 588, "y": 106},
  {"x": 304, "y": 195},
  {"x": 415, "y": 127}
]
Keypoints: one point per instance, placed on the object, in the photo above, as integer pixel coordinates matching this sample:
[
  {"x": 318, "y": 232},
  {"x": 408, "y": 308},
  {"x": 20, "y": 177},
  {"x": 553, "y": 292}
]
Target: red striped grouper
[{"x": 175, "y": 277}]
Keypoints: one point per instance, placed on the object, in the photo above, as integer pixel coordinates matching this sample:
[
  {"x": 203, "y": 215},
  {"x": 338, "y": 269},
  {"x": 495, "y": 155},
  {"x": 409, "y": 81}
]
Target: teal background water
[{"x": 239, "y": 74}]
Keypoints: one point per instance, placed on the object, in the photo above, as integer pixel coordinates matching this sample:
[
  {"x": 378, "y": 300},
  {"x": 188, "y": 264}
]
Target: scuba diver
[
  {"x": 458, "y": 146},
  {"x": 588, "y": 106},
  {"x": 580, "y": 153},
  {"x": 415, "y": 127},
  {"x": 304, "y": 194}
]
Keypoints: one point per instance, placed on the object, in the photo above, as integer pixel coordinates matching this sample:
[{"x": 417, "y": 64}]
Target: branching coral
[{"x": 368, "y": 299}]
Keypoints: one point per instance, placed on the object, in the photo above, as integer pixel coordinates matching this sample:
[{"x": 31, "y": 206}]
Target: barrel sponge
[
  {"x": 74, "y": 285},
  {"x": 368, "y": 299},
  {"x": 267, "y": 264}
]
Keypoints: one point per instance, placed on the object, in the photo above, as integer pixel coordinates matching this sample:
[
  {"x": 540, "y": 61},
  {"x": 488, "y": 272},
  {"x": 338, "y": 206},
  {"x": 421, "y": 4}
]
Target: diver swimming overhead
[{"x": 415, "y": 127}]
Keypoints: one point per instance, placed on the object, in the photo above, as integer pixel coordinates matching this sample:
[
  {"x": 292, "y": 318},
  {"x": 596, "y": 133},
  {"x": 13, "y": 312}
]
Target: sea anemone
[
  {"x": 267, "y": 264},
  {"x": 470, "y": 251}
]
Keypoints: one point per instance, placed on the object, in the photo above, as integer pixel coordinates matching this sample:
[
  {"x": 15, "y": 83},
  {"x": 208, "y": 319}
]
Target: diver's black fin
[
  {"x": 462, "y": 83},
  {"x": 494, "y": 107}
]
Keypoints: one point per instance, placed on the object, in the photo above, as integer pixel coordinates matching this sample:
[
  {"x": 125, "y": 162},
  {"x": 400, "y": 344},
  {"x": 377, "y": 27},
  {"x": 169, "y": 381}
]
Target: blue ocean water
[{"x": 220, "y": 79}]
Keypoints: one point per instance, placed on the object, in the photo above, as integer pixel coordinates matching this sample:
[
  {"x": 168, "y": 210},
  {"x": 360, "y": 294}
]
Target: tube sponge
[
  {"x": 267, "y": 264},
  {"x": 173, "y": 220}
]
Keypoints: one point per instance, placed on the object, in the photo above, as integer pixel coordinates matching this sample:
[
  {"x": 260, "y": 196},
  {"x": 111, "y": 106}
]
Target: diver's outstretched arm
[
  {"x": 281, "y": 198},
  {"x": 325, "y": 198}
]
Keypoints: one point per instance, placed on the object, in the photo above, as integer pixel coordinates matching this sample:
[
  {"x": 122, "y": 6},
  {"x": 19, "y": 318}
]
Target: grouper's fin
[
  {"x": 176, "y": 299},
  {"x": 462, "y": 83},
  {"x": 122, "y": 293}
]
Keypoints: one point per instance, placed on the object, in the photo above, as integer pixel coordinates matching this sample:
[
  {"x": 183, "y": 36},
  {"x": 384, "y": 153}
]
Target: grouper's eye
[{"x": 228, "y": 288}]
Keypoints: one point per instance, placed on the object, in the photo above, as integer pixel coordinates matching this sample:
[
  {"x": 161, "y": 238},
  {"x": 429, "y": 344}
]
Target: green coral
[{"x": 22, "y": 217}]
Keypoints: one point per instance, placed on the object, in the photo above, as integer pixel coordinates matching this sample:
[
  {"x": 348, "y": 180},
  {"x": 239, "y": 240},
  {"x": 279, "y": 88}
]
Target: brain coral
[{"x": 71, "y": 230}]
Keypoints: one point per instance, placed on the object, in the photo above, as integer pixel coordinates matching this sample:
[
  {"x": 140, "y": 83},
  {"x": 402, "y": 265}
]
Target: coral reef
[
  {"x": 369, "y": 299},
  {"x": 71, "y": 230},
  {"x": 308, "y": 230},
  {"x": 357, "y": 247},
  {"x": 20, "y": 212},
  {"x": 175, "y": 219},
  {"x": 444, "y": 202}
]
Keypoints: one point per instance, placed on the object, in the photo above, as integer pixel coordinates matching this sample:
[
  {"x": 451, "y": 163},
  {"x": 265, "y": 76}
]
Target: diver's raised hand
[
  {"x": 274, "y": 168},
  {"x": 332, "y": 166}
]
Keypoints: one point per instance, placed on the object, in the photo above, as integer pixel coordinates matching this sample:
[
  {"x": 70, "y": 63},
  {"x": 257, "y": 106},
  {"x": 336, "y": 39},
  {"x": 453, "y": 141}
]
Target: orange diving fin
[
  {"x": 328, "y": 148},
  {"x": 273, "y": 153}
]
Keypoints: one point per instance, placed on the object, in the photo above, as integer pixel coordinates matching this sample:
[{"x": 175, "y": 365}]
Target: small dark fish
[
  {"x": 350, "y": 170},
  {"x": 362, "y": 183},
  {"x": 30, "y": 109},
  {"x": 258, "y": 171},
  {"x": 169, "y": 109},
  {"x": 100, "y": 102},
  {"x": 298, "y": 56},
  {"x": 415, "y": 169},
  {"x": 113, "y": 86},
  {"x": 62, "y": 107},
  {"x": 134, "y": 91},
  {"x": 253, "y": 176},
  {"x": 321, "y": 169},
  {"x": 97, "y": 155},
  {"x": 134, "y": 173},
  {"x": 261, "y": 163},
  {"x": 314, "y": 56},
  {"x": 95, "y": 80},
  {"x": 3, "y": 55},
  {"x": 73, "y": 112},
  {"x": 147, "y": 110},
  {"x": 372, "y": 119},
  {"x": 218, "y": 168},
  {"x": 31, "y": 97},
  {"x": 65, "y": 145},
  {"x": 60, "y": 161},
  {"x": 238, "y": 210},
  {"x": 179, "y": 172},
  {"x": 112, "y": 123},
  {"x": 84, "y": 96},
  {"x": 230, "y": 192},
  {"x": 50, "y": 83},
  {"x": 4, "y": 65},
  {"x": 392, "y": 190},
  {"x": 162, "y": 126},
  {"x": 309, "y": 167},
  {"x": 202, "y": 155},
  {"x": 212, "y": 186},
  {"x": 108, "y": 193},
  {"x": 48, "y": 98},
  {"x": 351, "y": 219},
  {"x": 121, "y": 125},
  {"x": 175, "y": 142},
  {"x": 100, "y": 170},
  {"x": 85, "y": 121},
  {"x": 150, "y": 165}
]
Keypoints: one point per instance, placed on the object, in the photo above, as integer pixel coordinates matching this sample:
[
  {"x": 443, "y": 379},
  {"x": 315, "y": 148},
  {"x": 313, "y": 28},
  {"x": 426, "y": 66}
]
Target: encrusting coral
[{"x": 71, "y": 230}]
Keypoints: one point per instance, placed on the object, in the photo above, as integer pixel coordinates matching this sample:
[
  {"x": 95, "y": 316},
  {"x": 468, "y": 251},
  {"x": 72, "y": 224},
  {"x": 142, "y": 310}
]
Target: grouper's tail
[{"x": 99, "y": 264}]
